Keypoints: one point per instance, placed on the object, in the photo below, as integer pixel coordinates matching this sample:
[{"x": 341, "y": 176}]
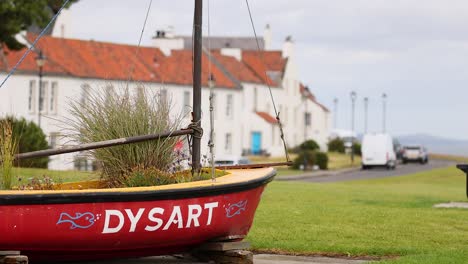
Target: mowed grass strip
[
  {"x": 23, "y": 176},
  {"x": 383, "y": 217}
]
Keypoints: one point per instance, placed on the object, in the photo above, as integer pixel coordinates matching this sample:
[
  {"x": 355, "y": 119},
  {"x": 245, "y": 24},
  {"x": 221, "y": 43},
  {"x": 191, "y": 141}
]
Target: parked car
[
  {"x": 231, "y": 160},
  {"x": 377, "y": 150},
  {"x": 398, "y": 148},
  {"x": 415, "y": 153}
]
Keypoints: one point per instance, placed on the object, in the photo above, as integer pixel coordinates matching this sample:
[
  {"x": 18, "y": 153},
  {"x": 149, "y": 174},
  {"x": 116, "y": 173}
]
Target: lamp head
[
  {"x": 211, "y": 81},
  {"x": 353, "y": 95},
  {"x": 40, "y": 59}
]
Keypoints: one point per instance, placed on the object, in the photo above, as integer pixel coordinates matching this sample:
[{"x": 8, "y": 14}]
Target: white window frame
[
  {"x": 45, "y": 103},
  {"x": 53, "y": 97},
  {"x": 230, "y": 106},
  {"x": 228, "y": 143},
  {"x": 163, "y": 95},
  {"x": 109, "y": 91},
  {"x": 255, "y": 99},
  {"x": 85, "y": 89},
  {"x": 187, "y": 107},
  {"x": 53, "y": 140},
  {"x": 32, "y": 97}
]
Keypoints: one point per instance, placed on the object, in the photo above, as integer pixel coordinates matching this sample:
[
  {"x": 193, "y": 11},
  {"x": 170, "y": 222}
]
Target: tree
[{"x": 18, "y": 15}]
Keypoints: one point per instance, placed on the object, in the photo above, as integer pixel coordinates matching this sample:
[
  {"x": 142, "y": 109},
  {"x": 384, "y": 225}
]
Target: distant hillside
[{"x": 437, "y": 144}]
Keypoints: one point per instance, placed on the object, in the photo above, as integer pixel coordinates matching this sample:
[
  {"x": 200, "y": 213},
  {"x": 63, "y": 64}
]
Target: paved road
[{"x": 357, "y": 174}]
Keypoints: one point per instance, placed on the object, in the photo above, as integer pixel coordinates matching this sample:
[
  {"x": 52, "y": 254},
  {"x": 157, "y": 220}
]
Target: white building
[{"x": 244, "y": 114}]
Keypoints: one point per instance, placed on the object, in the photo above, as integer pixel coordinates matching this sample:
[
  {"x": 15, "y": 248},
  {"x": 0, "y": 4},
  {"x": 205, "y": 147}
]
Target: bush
[
  {"x": 309, "y": 145},
  {"x": 336, "y": 145},
  {"x": 357, "y": 148},
  {"x": 306, "y": 158},
  {"x": 306, "y": 145},
  {"x": 29, "y": 137},
  {"x": 321, "y": 159},
  {"x": 108, "y": 115},
  {"x": 311, "y": 158}
]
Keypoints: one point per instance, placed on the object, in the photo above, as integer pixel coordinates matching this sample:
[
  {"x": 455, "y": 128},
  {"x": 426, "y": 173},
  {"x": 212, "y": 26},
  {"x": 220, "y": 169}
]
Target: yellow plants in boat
[{"x": 8, "y": 147}]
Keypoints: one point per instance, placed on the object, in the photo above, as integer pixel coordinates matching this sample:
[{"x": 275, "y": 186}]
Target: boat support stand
[
  {"x": 224, "y": 252},
  {"x": 12, "y": 257}
]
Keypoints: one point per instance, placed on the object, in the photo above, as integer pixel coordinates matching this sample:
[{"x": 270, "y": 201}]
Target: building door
[{"x": 256, "y": 147}]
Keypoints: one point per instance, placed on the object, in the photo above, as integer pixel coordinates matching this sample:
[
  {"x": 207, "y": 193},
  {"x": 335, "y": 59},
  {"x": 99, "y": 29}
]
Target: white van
[{"x": 377, "y": 150}]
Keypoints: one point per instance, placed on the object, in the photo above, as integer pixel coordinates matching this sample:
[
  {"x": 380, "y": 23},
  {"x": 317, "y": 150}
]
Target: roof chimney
[
  {"x": 288, "y": 48},
  {"x": 165, "y": 40},
  {"x": 267, "y": 37},
  {"x": 233, "y": 52}
]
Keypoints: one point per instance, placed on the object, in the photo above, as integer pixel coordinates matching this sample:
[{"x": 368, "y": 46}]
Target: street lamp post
[
  {"x": 366, "y": 102},
  {"x": 304, "y": 101},
  {"x": 335, "y": 110},
  {"x": 40, "y": 61},
  {"x": 353, "y": 101},
  {"x": 384, "y": 112}
]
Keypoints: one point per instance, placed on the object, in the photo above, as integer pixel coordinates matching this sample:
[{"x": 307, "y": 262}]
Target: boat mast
[{"x": 197, "y": 59}]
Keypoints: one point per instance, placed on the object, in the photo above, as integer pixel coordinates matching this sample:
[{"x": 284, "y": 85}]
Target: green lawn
[
  {"x": 383, "y": 217},
  {"x": 336, "y": 161},
  {"x": 25, "y": 174}
]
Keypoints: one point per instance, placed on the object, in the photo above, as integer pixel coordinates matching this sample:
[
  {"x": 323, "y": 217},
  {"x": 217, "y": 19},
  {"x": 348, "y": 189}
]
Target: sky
[{"x": 415, "y": 51}]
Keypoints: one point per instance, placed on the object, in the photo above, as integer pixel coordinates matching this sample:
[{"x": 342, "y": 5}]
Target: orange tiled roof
[
  {"x": 237, "y": 68},
  {"x": 311, "y": 96},
  {"x": 261, "y": 62},
  {"x": 102, "y": 60},
  {"x": 267, "y": 117},
  {"x": 177, "y": 68}
]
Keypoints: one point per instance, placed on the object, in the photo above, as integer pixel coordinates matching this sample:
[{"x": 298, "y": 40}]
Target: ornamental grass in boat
[
  {"x": 141, "y": 176},
  {"x": 8, "y": 146},
  {"x": 104, "y": 114}
]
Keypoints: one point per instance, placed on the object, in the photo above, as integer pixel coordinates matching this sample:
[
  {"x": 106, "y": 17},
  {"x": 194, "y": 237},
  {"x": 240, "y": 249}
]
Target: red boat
[{"x": 124, "y": 222}]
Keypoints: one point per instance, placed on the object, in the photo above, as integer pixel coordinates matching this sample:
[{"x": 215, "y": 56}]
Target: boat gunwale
[{"x": 136, "y": 193}]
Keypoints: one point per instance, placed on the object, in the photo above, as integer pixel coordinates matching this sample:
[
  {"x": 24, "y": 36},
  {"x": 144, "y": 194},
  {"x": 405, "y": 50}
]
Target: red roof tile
[
  {"x": 177, "y": 68},
  {"x": 311, "y": 96},
  {"x": 102, "y": 60},
  {"x": 237, "y": 68},
  {"x": 261, "y": 62},
  {"x": 267, "y": 117}
]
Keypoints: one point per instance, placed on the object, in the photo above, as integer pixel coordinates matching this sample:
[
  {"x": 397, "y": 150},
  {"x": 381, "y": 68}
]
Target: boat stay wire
[
  {"x": 130, "y": 75},
  {"x": 211, "y": 86},
  {"x": 33, "y": 45},
  {"x": 280, "y": 125}
]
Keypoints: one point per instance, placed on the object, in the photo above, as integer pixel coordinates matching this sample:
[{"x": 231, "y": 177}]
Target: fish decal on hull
[
  {"x": 235, "y": 209},
  {"x": 81, "y": 220}
]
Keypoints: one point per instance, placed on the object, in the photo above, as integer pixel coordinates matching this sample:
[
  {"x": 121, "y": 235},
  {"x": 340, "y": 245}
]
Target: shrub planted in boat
[{"x": 106, "y": 115}]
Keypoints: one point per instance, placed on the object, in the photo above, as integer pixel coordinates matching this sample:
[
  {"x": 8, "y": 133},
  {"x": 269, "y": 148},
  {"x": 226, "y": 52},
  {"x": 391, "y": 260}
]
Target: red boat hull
[{"x": 93, "y": 230}]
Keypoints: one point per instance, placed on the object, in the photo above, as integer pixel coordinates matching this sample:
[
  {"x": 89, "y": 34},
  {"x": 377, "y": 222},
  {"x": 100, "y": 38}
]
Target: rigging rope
[
  {"x": 130, "y": 76},
  {"x": 211, "y": 84},
  {"x": 269, "y": 87},
  {"x": 33, "y": 44}
]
